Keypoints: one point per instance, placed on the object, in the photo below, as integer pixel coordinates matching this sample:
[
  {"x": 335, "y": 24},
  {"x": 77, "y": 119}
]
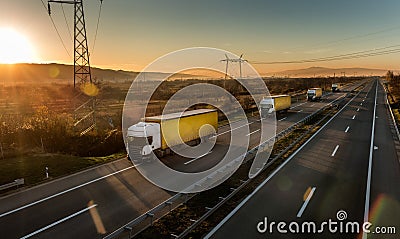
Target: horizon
[{"x": 56, "y": 72}]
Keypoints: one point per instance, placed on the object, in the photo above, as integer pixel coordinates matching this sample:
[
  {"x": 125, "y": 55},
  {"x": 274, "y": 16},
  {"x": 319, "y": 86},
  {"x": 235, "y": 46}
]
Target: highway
[
  {"x": 298, "y": 111},
  {"x": 350, "y": 166},
  {"x": 95, "y": 202}
]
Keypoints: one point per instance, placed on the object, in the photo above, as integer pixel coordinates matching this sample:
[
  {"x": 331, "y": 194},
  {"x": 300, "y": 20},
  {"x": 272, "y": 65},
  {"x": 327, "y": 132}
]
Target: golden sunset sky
[{"x": 134, "y": 33}]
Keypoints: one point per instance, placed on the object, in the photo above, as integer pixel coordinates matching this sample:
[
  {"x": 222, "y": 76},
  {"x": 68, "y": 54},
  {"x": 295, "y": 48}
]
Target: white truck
[
  {"x": 159, "y": 133},
  {"x": 336, "y": 87},
  {"x": 276, "y": 103},
  {"x": 314, "y": 94}
]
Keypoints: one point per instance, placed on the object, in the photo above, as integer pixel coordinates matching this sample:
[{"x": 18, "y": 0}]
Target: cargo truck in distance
[
  {"x": 314, "y": 94},
  {"x": 336, "y": 87},
  {"x": 275, "y": 103},
  {"x": 154, "y": 132}
]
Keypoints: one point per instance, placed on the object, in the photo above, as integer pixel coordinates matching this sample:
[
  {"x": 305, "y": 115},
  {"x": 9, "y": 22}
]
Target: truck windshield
[
  {"x": 266, "y": 106},
  {"x": 140, "y": 141}
]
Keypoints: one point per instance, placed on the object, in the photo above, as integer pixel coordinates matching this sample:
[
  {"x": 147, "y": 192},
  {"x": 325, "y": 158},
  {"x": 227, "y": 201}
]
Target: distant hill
[
  {"x": 46, "y": 73},
  {"x": 322, "y": 71}
]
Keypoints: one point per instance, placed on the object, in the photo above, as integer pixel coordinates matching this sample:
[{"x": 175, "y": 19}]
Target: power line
[
  {"x": 336, "y": 42},
  {"x": 55, "y": 27},
  {"x": 354, "y": 55},
  {"x": 66, "y": 22},
  {"x": 97, "y": 25}
]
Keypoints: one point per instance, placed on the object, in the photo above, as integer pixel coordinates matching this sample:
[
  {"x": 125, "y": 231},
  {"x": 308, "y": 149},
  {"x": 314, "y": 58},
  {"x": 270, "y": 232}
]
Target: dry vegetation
[
  {"x": 38, "y": 118},
  {"x": 393, "y": 84}
]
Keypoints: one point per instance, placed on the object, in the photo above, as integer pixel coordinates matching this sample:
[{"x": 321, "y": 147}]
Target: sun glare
[{"x": 14, "y": 47}]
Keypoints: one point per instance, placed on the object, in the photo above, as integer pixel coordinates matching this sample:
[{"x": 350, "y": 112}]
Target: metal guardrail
[
  {"x": 16, "y": 183},
  {"x": 151, "y": 213},
  {"x": 391, "y": 114}
]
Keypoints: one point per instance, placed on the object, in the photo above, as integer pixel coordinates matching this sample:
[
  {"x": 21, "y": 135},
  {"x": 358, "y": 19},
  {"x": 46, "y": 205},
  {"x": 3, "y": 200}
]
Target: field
[{"x": 36, "y": 122}]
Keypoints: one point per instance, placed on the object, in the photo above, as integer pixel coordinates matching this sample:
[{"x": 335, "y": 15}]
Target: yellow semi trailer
[
  {"x": 275, "y": 103},
  {"x": 159, "y": 133},
  {"x": 314, "y": 94}
]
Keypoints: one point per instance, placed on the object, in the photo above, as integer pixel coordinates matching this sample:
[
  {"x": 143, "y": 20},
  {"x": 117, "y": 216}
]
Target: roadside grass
[
  {"x": 33, "y": 167},
  {"x": 394, "y": 99}
]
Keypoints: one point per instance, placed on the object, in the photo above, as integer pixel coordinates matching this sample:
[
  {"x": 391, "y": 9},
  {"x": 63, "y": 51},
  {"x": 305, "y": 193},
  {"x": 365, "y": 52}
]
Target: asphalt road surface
[
  {"x": 95, "y": 202},
  {"x": 348, "y": 173}
]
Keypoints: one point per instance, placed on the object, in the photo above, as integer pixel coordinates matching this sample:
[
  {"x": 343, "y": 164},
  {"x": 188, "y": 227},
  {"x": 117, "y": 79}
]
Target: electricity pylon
[
  {"x": 240, "y": 60},
  {"x": 85, "y": 112}
]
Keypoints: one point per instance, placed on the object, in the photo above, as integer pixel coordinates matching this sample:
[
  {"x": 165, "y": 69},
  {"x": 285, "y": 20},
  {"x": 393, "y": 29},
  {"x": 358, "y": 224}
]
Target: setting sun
[{"x": 14, "y": 47}]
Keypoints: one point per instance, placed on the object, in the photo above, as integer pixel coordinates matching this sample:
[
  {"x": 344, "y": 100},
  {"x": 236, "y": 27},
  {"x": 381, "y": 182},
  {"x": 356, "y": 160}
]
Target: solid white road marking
[
  {"x": 335, "y": 150},
  {"x": 353, "y": 117},
  {"x": 368, "y": 189},
  {"x": 282, "y": 119},
  {"x": 253, "y": 132},
  {"x": 303, "y": 207},
  {"x": 191, "y": 161},
  {"x": 58, "y": 222},
  {"x": 66, "y": 191},
  {"x": 347, "y": 129}
]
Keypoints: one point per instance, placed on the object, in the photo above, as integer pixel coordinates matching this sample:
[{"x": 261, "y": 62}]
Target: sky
[{"x": 133, "y": 33}]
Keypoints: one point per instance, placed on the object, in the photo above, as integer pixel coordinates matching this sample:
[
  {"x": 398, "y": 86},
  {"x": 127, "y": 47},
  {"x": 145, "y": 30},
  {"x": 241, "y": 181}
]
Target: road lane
[{"x": 341, "y": 180}]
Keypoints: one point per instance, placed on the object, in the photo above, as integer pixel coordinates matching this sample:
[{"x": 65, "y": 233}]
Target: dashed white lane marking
[
  {"x": 347, "y": 129},
  {"x": 282, "y": 119},
  {"x": 335, "y": 150},
  {"x": 233, "y": 129},
  {"x": 353, "y": 117},
  {"x": 299, "y": 105},
  {"x": 252, "y": 132}
]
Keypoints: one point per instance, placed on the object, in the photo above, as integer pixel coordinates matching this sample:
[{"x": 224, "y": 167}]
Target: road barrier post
[{"x": 1, "y": 149}]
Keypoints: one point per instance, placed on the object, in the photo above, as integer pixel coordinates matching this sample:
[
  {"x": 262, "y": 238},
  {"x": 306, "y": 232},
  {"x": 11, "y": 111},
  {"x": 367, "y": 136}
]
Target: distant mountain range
[
  {"x": 45, "y": 73},
  {"x": 322, "y": 71}
]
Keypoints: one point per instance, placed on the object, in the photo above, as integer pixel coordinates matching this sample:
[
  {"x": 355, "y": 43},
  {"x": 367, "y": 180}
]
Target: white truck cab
[
  {"x": 158, "y": 133},
  {"x": 143, "y": 138},
  {"x": 314, "y": 94},
  {"x": 267, "y": 106}
]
